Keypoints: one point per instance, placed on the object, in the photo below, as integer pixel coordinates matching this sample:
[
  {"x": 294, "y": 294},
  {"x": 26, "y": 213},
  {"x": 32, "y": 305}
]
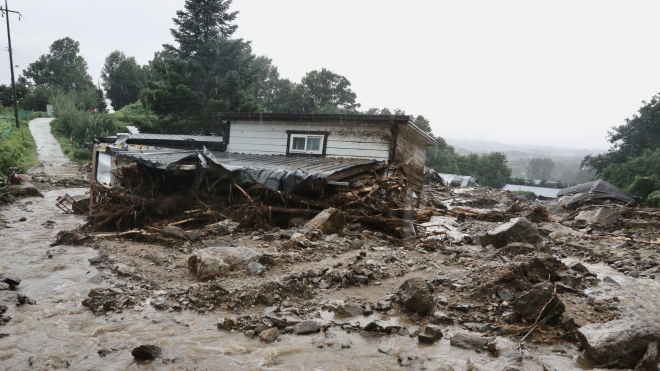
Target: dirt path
[{"x": 53, "y": 162}]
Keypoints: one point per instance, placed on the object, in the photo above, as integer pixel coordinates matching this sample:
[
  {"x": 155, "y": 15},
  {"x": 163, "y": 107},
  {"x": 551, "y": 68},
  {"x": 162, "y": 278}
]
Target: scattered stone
[
  {"x": 505, "y": 295},
  {"x": 30, "y": 190},
  {"x": 384, "y": 303},
  {"x": 430, "y": 334},
  {"x": 579, "y": 267},
  {"x": 268, "y": 237},
  {"x": 600, "y": 217},
  {"x": 172, "y": 231},
  {"x": 22, "y": 300},
  {"x": 624, "y": 340},
  {"x": 468, "y": 341},
  {"x": 530, "y": 305},
  {"x": 282, "y": 319},
  {"x": 610, "y": 281},
  {"x": 299, "y": 240},
  {"x": 95, "y": 260},
  {"x": 328, "y": 221},
  {"x": 415, "y": 295},
  {"x": 22, "y": 219},
  {"x": 349, "y": 310},
  {"x": 256, "y": 268},
  {"x": 193, "y": 235},
  {"x": 225, "y": 227},
  {"x": 306, "y": 327},
  {"x": 11, "y": 281},
  {"x": 268, "y": 336},
  {"x": 124, "y": 270},
  {"x": 516, "y": 230},
  {"x": 146, "y": 352},
  {"x": 215, "y": 262}
]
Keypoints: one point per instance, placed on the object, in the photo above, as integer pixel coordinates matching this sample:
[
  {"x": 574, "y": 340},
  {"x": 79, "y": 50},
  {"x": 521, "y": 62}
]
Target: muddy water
[
  {"x": 59, "y": 333},
  {"x": 53, "y": 160}
]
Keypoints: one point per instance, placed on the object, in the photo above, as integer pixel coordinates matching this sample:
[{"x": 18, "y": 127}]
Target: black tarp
[
  {"x": 598, "y": 190},
  {"x": 289, "y": 174}
]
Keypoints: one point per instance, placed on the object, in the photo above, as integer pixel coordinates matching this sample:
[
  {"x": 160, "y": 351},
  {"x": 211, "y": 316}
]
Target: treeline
[
  {"x": 633, "y": 160},
  {"x": 206, "y": 70}
]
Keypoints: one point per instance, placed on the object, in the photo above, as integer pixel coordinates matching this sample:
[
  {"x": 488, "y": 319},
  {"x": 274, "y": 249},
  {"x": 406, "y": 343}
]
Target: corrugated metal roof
[
  {"x": 539, "y": 191},
  {"x": 162, "y": 158},
  {"x": 306, "y": 164},
  {"x": 171, "y": 137}
]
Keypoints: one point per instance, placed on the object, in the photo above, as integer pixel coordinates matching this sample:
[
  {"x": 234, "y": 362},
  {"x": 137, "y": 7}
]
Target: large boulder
[
  {"x": 415, "y": 295},
  {"x": 600, "y": 217},
  {"x": 329, "y": 221},
  {"x": 215, "y": 262},
  {"x": 622, "y": 340},
  {"x": 516, "y": 230},
  {"x": 530, "y": 304}
]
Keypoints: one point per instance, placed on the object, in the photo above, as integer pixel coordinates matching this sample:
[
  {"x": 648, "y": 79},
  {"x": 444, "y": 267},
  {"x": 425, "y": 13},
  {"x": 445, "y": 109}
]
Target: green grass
[
  {"x": 73, "y": 151},
  {"x": 19, "y": 148}
]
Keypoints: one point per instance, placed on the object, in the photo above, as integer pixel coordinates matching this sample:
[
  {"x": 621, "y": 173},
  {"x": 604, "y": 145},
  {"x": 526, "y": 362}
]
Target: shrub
[
  {"x": 643, "y": 186},
  {"x": 82, "y": 154},
  {"x": 654, "y": 199},
  {"x": 527, "y": 194}
]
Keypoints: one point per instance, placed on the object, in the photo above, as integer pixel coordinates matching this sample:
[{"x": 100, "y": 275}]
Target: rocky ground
[{"x": 503, "y": 287}]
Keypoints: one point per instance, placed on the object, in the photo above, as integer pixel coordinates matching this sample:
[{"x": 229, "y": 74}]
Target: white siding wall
[{"x": 365, "y": 140}]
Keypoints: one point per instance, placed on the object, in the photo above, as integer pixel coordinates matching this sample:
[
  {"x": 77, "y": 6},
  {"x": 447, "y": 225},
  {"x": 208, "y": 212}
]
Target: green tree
[
  {"x": 123, "y": 79},
  {"x": 423, "y": 123},
  {"x": 328, "y": 92},
  {"x": 442, "y": 157},
  {"x": 206, "y": 72},
  {"x": 62, "y": 68},
  {"x": 7, "y": 94},
  {"x": 540, "y": 168}
]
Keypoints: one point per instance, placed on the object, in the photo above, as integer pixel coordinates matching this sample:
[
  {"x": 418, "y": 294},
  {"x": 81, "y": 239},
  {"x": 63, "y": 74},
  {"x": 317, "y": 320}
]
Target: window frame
[{"x": 306, "y": 134}]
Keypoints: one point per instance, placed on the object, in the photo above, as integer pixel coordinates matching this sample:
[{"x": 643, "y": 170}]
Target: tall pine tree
[{"x": 205, "y": 72}]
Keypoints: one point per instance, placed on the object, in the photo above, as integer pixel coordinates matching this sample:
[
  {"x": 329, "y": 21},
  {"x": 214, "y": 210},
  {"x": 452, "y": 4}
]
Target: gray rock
[
  {"x": 146, "y": 352},
  {"x": 600, "y": 217},
  {"x": 13, "y": 281},
  {"x": 306, "y": 327},
  {"x": 415, "y": 295},
  {"x": 268, "y": 336},
  {"x": 30, "y": 190},
  {"x": 349, "y": 310},
  {"x": 283, "y": 318},
  {"x": 624, "y": 340},
  {"x": 468, "y": 341},
  {"x": 193, "y": 235},
  {"x": 505, "y": 295},
  {"x": 649, "y": 361},
  {"x": 516, "y": 230},
  {"x": 270, "y": 237},
  {"x": 530, "y": 305},
  {"x": 430, "y": 334},
  {"x": 256, "y": 268},
  {"x": 95, "y": 278},
  {"x": 579, "y": 267},
  {"x": 95, "y": 260},
  {"x": 385, "y": 303},
  {"x": 215, "y": 262},
  {"x": 124, "y": 270},
  {"x": 226, "y": 227},
  {"x": 172, "y": 231}
]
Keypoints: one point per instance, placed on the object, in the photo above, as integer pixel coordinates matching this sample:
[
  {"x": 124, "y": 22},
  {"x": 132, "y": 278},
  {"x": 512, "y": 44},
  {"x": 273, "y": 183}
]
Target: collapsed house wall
[
  {"x": 344, "y": 138},
  {"x": 411, "y": 156}
]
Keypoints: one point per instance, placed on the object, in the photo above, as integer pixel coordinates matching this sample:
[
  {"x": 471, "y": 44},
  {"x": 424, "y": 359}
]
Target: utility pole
[{"x": 11, "y": 60}]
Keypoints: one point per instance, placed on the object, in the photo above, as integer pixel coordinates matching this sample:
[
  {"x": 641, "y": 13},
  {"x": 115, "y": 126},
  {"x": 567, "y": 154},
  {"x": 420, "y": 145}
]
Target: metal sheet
[{"x": 598, "y": 189}]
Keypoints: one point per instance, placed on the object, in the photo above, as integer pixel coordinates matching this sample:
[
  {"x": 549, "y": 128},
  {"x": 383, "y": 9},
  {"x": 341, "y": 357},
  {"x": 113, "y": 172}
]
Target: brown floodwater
[{"x": 59, "y": 333}]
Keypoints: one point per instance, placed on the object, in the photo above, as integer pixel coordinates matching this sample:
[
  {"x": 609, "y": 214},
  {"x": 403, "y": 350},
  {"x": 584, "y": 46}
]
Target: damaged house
[{"x": 293, "y": 164}]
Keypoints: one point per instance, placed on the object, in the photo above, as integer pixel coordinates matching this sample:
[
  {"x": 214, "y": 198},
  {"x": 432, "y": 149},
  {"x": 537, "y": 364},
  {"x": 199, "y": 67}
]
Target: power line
[
  {"x": 22, "y": 37},
  {"x": 35, "y": 32}
]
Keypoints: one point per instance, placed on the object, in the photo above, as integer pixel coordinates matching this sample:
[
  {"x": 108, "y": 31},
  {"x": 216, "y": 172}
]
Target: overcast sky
[{"x": 519, "y": 72}]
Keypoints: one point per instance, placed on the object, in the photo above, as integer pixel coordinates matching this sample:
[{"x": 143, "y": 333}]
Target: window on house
[{"x": 306, "y": 143}]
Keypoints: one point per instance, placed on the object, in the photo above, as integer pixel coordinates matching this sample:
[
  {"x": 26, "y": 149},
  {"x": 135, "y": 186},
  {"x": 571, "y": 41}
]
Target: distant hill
[{"x": 465, "y": 146}]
